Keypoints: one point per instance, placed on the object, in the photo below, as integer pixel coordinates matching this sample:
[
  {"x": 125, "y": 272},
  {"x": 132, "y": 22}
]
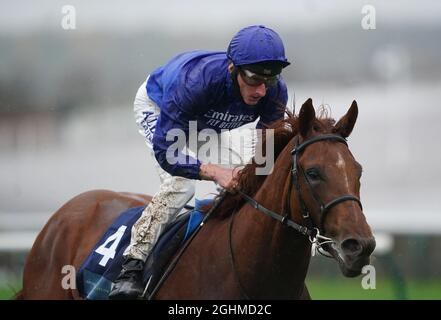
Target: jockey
[{"x": 218, "y": 91}]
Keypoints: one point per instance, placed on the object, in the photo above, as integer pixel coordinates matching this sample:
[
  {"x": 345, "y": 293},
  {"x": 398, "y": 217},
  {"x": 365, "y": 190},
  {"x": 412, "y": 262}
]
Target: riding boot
[{"x": 128, "y": 284}]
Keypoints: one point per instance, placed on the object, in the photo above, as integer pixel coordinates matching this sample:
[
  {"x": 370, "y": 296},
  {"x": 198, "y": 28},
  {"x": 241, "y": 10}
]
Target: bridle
[
  {"x": 310, "y": 230},
  {"x": 296, "y": 168}
]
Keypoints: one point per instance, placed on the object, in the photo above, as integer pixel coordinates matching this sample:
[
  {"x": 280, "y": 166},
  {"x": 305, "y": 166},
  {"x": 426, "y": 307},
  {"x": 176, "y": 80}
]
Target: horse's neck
[{"x": 271, "y": 259}]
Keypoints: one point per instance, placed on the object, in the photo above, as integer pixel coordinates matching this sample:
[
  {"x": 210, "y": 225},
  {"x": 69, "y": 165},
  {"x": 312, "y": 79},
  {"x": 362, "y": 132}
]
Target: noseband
[{"x": 310, "y": 230}]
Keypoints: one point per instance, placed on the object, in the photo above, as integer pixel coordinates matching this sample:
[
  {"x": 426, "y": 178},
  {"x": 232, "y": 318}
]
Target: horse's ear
[
  {"x": 306, "y": 118},
  {"x": 345, "y": 125}
]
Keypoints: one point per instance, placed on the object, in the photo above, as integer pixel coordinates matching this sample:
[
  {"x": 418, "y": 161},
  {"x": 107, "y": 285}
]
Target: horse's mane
[{"x": 248, "y": 182}]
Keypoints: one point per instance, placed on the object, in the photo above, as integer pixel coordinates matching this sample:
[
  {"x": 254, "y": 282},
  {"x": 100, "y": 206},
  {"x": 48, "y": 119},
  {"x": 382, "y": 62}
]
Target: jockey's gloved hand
[{"x": 225, "y": 177}]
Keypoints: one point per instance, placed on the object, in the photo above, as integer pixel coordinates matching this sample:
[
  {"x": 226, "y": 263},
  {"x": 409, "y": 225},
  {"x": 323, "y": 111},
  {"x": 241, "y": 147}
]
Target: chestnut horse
[{"x": 243, "y": 250}]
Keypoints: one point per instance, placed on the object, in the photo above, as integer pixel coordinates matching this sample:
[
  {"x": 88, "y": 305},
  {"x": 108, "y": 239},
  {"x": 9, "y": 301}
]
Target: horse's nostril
[{"x": 351, "y": 246}]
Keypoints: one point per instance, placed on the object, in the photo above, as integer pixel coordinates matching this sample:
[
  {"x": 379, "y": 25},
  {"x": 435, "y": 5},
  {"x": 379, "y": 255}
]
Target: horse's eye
[{"x": 313, "y": 174}]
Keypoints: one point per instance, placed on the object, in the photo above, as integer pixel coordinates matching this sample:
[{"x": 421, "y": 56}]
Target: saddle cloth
[{"x": 104, "y": 263}]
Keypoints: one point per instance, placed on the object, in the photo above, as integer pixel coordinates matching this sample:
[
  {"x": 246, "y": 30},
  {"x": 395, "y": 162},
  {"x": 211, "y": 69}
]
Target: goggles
[{"x": 254, "y": 79}]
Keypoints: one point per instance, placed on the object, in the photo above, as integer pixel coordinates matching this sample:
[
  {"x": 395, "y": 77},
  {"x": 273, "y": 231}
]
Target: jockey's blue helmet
[{"x": 258, "y": 48}]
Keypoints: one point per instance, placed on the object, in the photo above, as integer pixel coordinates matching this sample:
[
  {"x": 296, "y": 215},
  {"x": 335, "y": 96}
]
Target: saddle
[{"x": 98, "y": 272}]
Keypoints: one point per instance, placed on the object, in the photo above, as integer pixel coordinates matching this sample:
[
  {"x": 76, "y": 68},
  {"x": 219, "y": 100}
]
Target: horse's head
[{"x": 329, "y": 186}]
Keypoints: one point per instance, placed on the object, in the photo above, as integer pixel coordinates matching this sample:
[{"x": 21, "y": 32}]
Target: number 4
[{"x": 109, "y": 253}]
